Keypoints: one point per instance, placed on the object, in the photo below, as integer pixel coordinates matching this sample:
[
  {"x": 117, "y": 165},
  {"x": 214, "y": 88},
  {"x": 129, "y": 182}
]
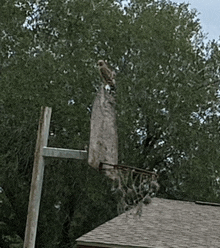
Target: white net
[{"x": 132, "y": 186}]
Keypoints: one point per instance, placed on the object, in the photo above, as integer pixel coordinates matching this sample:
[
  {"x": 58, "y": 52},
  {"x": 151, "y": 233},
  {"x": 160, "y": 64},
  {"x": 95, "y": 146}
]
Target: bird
[{"x": 106, "y": 74}]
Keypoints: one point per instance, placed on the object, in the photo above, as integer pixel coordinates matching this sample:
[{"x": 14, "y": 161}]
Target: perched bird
[{"x": 106, "y": 74}]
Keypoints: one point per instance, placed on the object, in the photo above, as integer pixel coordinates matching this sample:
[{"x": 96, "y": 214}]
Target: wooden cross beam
[
  {"x": 42, "y": 151},
  {"x": 64, "y": 153}
]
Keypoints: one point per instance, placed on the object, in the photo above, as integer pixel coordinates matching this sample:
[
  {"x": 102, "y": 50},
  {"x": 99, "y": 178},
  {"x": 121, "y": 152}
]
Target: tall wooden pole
[{"x": 37, "y": 178}]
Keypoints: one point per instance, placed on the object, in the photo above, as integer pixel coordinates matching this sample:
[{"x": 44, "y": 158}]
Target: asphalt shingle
[{"x": 163, "y": 223}]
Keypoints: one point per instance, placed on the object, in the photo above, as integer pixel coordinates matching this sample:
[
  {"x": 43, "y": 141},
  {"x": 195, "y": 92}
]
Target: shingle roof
[{"x": 163, "y": 223}]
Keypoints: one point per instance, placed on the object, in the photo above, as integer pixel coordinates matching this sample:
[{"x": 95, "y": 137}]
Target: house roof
[{"x": 163, "y": 223}]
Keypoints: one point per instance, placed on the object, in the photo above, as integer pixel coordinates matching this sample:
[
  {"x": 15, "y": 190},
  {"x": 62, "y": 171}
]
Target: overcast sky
[{"x": 209, "y": 15}]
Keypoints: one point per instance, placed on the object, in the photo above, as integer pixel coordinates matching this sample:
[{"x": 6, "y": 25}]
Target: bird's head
[{"x": 101, "y": 62}]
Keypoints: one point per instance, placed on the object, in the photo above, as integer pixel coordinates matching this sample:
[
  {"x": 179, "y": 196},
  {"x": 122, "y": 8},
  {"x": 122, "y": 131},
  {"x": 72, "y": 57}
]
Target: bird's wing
[{"x": 106, "y": 74}]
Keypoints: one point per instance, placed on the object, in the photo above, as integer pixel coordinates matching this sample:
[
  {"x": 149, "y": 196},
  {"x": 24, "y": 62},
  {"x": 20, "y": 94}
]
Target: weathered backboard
[{"x": 103, "y": 132}]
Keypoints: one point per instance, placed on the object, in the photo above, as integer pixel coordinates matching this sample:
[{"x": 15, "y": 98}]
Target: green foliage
[{"x": 167, "y": 105}]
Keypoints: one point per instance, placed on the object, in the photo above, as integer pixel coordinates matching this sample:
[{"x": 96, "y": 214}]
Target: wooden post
[
  {"x": 37, "y": 178},
  {"x": 42, "y": 151}
]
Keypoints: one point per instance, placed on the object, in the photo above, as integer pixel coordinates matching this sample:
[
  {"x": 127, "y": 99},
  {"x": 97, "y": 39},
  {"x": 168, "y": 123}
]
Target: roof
[{"x": 163, "y": 223}]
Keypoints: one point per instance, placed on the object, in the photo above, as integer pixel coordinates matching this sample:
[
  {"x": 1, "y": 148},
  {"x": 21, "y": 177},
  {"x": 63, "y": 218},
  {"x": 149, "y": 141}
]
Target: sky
[{"x": 209, "y": 15}]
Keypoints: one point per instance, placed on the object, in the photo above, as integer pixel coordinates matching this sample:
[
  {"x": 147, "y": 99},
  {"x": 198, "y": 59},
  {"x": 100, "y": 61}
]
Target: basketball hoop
[
  {"x": 132, "y": 186},
  {"x": 125, "y": 168}
]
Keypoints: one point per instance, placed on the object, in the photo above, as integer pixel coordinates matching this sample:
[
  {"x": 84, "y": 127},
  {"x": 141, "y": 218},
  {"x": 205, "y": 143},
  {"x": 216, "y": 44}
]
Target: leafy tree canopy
[{"x": 167, "y": 106}]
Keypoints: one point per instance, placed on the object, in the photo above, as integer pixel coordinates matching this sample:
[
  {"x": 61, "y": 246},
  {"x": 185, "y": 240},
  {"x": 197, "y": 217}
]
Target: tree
[
  {"x": 53, "y": 67},
  {"x": 165, "y": 87},
  {"x": 167, "y": 105}
]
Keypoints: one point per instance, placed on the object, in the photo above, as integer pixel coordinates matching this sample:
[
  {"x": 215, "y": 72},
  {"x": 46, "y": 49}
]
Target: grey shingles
[{"x": 163, "y": 223}]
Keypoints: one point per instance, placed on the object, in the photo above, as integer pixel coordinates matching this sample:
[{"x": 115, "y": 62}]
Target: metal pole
[{"x": 37, "y": 178}]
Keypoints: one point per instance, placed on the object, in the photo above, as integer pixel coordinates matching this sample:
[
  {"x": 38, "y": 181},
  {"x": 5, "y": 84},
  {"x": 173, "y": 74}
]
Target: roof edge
[
  {"x": 215, "y": 204},
  {"x": 107, "y": 245}
]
